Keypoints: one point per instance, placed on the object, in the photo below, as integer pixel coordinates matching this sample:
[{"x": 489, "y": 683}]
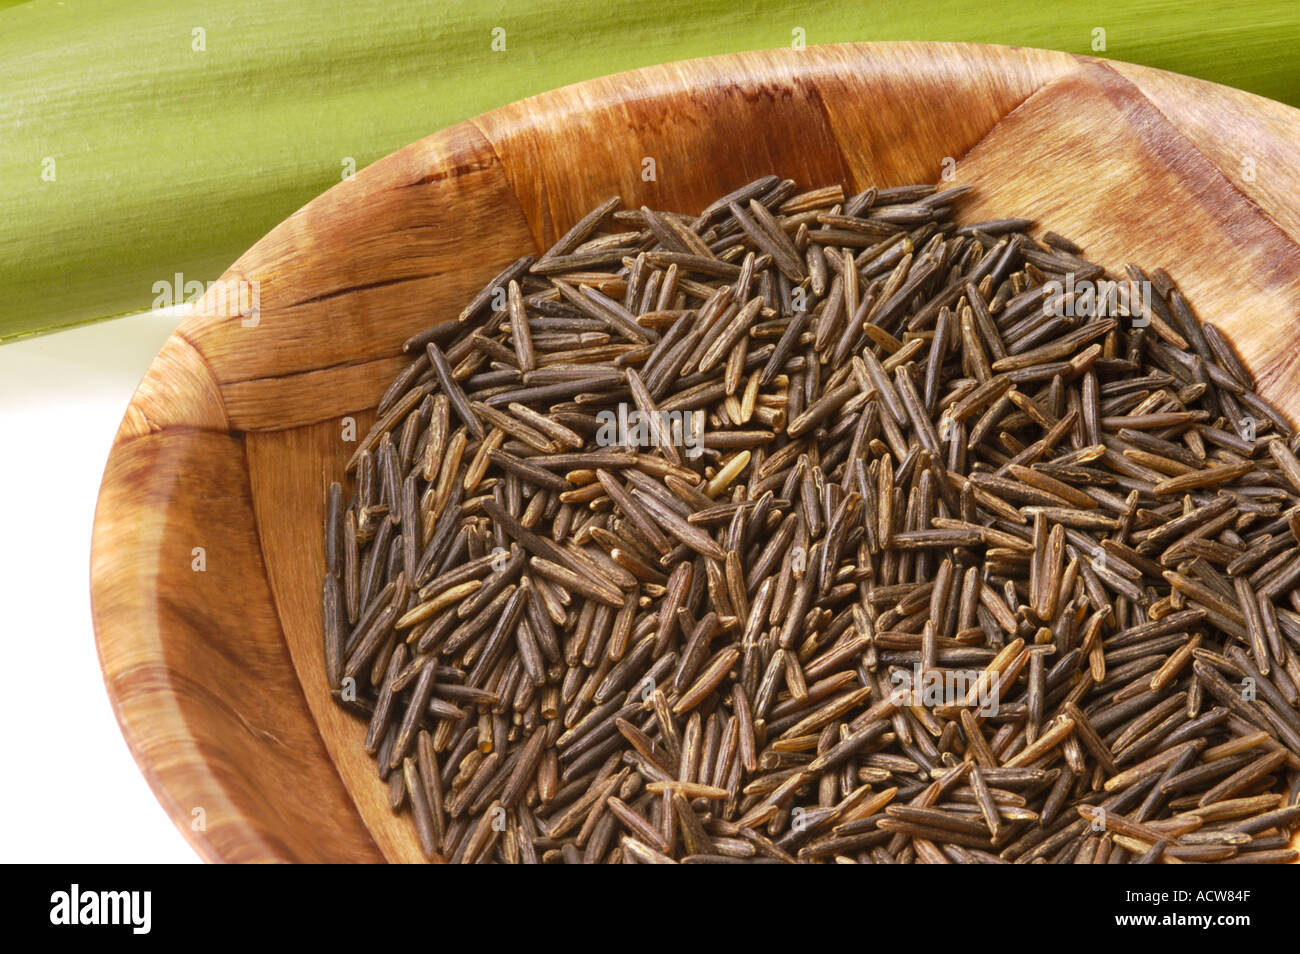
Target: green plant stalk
[{"x": 127, "y": 155}]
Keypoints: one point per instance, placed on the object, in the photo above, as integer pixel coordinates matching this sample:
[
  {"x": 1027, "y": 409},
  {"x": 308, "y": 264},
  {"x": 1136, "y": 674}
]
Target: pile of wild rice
[{"x": 924, "y": 543}]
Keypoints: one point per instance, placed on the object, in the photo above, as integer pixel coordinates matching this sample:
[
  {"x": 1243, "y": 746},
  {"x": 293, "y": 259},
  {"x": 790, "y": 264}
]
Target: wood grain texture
[
  {"x": 196, "y": 664},
  {"x": 1094, "y": 157},
  {"x": 228, "y": 707},
  {"x": 291, "y": 472}
]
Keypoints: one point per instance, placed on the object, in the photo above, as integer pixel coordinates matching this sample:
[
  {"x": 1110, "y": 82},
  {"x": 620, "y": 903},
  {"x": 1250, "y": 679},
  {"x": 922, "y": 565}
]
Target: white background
[{"x": 71, "y": 792}]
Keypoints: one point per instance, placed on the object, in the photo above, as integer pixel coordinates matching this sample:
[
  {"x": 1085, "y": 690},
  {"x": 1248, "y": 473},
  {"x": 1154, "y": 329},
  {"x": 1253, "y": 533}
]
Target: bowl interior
[{"x": 226, "y": 452}]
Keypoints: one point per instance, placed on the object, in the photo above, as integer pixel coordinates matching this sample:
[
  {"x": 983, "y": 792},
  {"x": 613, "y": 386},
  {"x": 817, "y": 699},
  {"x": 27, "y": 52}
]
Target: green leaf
[{"x": 129, "y": 154}]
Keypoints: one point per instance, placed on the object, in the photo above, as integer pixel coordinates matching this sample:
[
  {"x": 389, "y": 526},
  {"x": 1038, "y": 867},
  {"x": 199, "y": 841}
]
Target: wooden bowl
[{"x": 207, "y": 544}]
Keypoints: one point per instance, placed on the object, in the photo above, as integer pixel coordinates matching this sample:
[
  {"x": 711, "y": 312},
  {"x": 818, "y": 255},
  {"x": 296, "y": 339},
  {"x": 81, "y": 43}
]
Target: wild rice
[{"x": 957, "y": 570}]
